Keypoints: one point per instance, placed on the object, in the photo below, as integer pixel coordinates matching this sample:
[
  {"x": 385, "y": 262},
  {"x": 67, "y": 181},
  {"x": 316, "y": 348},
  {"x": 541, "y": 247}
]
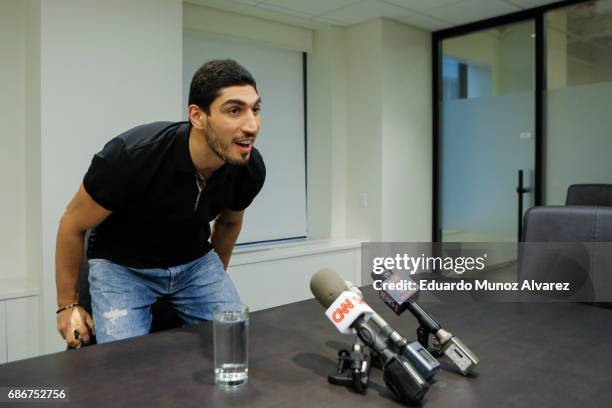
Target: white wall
[
  {"x": 327, "y": 134},
  {"x": 406, "y": 130},
  {"x": 281, "y": 274},
  {"x": 12, "y": 139},
  {"x": 389, "y": 174},
  {"x": 20, "y": 254},
  {"x": 3, "y": 351},
  {"x": 32, "y": 142},
  {"x": 364, "y": 131},
  {"x": 105, "y": 67}
]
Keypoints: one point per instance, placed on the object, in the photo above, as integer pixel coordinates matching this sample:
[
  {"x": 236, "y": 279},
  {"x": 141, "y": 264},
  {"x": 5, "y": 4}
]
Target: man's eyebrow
[{"x": 240, "y": 102}]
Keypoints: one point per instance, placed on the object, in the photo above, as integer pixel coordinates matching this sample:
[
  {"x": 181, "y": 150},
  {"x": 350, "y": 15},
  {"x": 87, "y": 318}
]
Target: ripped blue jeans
[{"x": 121, "y": 297}]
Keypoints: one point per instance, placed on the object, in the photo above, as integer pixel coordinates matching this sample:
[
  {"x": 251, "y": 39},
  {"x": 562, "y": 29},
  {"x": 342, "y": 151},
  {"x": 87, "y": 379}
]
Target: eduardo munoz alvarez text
[{"x": 462, "y": 285}]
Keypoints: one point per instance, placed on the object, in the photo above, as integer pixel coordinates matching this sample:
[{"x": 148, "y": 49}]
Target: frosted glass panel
[
  {"x": 487, "y": 133},
  {"x": 482, "y": 150},
  {"x": 578, "y": 147},
  {"x": 579, "y": 142}
]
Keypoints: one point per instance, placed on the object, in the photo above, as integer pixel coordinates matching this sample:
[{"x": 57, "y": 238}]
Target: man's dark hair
[{"x": 214, "y": 75}]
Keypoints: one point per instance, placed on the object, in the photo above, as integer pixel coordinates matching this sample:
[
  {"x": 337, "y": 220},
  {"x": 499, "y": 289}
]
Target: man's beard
[{"x": 221, "y": 149}]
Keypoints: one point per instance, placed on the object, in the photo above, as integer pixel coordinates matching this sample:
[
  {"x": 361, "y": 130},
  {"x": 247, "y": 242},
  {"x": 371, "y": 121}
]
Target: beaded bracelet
[{"x": 70, "y": 306}]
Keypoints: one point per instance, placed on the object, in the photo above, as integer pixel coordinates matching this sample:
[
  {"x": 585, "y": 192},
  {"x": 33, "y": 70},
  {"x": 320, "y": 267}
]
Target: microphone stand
[{"x": 353, "y": 368}]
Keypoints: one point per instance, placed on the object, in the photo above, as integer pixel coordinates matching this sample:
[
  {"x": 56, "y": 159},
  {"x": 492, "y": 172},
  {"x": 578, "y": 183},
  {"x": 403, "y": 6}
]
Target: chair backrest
[
  {"x": 589, "y": 194},
  {"x": 568, "y": 224},
  {"x": 566, "y": 249}
]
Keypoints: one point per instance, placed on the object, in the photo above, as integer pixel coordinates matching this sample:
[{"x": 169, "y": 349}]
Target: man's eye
[
  {"x": 257, "y": 109},
  {"x": 233, "y": 111}
]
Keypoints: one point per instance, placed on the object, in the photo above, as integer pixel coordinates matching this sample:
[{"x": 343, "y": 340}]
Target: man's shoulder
[
  {"x": 149, "y": 134},
  {"x": 257, "y": 160},
  {"x": 138, "y": 141},
  {"x": 256, "y": 168},
  {"x": 252, "y": 173}
]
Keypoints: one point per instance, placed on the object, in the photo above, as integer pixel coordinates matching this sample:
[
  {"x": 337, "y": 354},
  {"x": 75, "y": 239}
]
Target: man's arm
[
  {"x": 81, "y": 214},
  {"x": 225, "y": 232}
]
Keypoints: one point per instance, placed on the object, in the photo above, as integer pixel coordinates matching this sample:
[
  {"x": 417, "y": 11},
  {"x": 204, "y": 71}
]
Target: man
[{"x": 149, "y": 196}]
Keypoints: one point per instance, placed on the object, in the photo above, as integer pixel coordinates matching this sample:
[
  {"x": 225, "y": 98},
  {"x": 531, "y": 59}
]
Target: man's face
[{"x": 233, "y": 123}]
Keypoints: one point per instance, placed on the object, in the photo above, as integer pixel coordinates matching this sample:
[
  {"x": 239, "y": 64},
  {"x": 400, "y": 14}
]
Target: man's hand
[
  {"x": 82, "y": 213},
  {"x": 225, "y": 232},
  {"x": 75, "y": 325}
]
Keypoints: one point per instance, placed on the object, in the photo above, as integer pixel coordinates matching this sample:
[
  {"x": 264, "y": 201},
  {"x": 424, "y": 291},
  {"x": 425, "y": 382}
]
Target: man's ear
[{"x": 197, "y": 117}]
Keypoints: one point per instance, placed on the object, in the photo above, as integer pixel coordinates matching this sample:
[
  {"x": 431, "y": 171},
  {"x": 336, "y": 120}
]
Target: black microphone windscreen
[
  {"x": 406, "y": 385},
  {"x": 326, "y": 285}
]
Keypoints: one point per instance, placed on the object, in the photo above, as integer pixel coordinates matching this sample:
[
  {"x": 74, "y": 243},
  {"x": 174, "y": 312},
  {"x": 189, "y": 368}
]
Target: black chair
[
  {"x": 569, "y": 244},
  {"x": 589, "y": 194},
  {"x": 164, "y": 315}
]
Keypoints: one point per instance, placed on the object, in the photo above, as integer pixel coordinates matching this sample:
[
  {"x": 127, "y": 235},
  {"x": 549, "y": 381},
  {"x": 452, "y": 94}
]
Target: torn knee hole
[{"x": 114, "y": 314}]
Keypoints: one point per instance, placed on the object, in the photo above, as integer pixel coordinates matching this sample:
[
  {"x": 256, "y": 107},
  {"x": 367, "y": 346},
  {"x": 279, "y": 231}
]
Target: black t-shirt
[{"x": 145, "y": 176}]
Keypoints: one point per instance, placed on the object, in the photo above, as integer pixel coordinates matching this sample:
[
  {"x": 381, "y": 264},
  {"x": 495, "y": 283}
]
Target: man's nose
[{"x": 251, "y": 123}]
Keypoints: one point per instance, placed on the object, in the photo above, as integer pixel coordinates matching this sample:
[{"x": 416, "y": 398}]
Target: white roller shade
[{"x": 279, "y": 211}]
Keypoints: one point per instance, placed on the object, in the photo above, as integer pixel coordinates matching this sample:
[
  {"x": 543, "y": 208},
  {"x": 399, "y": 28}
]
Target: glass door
[
  {"x": 486, "y": 133},
  {"x": 578, "y": 95}
]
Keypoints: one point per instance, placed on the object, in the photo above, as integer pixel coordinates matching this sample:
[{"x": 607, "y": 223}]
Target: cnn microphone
[
  {"x": 400, "y": 300},
  {"x": 348, "y": 313},
  {"x": 418, "y": 355}
]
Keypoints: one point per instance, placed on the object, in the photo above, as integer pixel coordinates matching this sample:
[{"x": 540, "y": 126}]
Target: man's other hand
[{"x": 76, "y": 326}]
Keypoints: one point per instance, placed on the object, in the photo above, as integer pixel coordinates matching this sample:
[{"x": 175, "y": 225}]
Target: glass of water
[{"x": 231, "y": 343}]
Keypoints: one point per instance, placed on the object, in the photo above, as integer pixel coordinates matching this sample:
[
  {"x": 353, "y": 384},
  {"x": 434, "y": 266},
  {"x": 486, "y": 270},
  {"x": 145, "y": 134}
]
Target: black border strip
[
  {"x": 305, "y": 92},
  {"x": 436, "y": 236},
  {"x": 540, "y": 120}
]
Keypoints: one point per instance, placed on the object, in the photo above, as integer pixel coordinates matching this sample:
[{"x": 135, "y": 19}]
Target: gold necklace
[{"x": 200, "y": 183}]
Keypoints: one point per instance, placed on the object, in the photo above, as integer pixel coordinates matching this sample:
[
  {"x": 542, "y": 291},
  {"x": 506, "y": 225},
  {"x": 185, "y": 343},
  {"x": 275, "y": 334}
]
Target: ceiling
[
  {"x": 428, "y": 14},
  {"x": 590, "y": 22}
]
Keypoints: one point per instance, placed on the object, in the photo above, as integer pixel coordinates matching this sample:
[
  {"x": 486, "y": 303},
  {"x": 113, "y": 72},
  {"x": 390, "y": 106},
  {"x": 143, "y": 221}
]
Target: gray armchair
[
  {"x": 569, "y": 244},
  {"x": 589, "y": 194}
]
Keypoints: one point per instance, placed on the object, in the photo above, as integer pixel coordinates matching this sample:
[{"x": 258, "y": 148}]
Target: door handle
[{"x": 520, "y": 190}]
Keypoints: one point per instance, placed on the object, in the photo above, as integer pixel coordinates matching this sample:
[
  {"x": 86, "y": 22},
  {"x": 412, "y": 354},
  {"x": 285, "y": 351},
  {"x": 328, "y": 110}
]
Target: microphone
[
  {"x": 422, "y": 359},
  {"x": 348, "y": 312},
  {"x": 400, "y": 300}
]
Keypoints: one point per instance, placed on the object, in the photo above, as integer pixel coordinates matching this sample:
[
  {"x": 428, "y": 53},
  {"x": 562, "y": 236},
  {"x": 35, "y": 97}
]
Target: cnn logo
[{"x": 345, "y": 308}]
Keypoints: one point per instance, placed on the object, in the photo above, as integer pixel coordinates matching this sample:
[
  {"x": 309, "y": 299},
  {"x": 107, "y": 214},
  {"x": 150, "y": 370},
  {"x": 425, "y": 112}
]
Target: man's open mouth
[{"x": 244, "y": 145}]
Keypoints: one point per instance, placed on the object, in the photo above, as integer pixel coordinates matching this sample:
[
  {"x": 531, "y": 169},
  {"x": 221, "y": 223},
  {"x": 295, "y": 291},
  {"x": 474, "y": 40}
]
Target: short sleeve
[
  {"x": 107, "y": 180},
  {"x": 250, "y": 182}
]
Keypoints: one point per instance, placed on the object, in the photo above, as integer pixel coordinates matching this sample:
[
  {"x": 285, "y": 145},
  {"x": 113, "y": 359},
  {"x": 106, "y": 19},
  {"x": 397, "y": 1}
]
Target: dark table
[{"x": 531, "y": 355}]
